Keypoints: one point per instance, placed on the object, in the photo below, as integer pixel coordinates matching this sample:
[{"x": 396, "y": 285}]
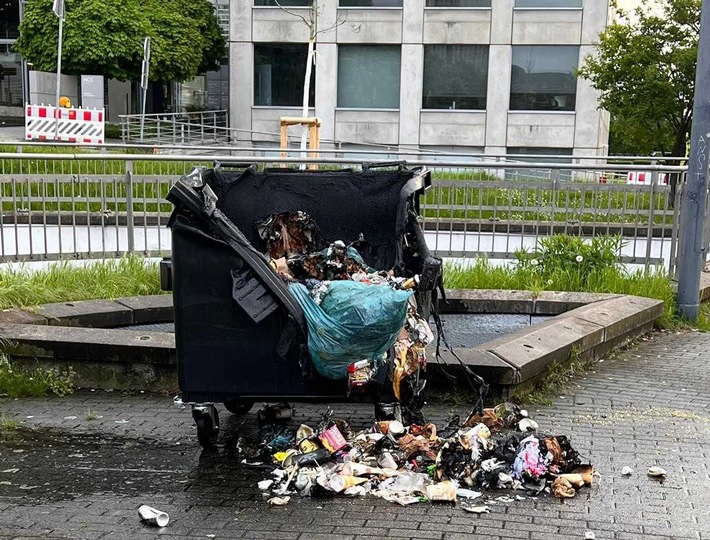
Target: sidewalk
[
  {"x": 10, "y": 134},
  {"x": 82, "y": 478}
]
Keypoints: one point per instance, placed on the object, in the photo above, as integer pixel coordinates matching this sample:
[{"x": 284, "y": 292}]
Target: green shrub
[
  {"x": 112, "y": 131},
  {"x": 563, "y": 253}
]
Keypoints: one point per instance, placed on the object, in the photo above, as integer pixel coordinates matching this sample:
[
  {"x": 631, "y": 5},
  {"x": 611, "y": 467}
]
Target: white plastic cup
[
  {"x": 387, "y": 461},
  {"x": 153, "y": 516}
]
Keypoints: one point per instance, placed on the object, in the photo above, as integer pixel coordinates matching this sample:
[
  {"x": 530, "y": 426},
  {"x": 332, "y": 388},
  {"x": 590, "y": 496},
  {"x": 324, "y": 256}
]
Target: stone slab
[
  {"x": 90, "y": 344},
  {"x": 556, "y": 302},
  {"x": 86, "y": 313},
  {"x": 149, "y": 309},
  {"x": 482, "y": 363},
  {"x": 487, "y": 301},
  {"x": 704, "y": 286},
  {"x": 532, "y": 350},
  {"x": 20, "y": 316},
  {"x": 619, "y": 315}
]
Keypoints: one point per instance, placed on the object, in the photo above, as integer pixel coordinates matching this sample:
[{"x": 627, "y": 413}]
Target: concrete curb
[
  {"x": 74, "y": 334},
  {"x": 95, "y": 313}
]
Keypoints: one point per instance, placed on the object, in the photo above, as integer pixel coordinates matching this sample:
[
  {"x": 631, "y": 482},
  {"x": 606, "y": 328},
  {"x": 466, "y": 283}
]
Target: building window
[
  {"x": 10, "y": 78},
  {"x": 279, "y": 70},
  {"x": 549, "y": 3},
  {"x": 455, "y": 76},
  {"x": 368, "y": 76},
  {"x": 458, "y": 3},
  {"x": 543, "y": 78},
  {"x": 285, "y": 3},
  {"x": 370, "y": 3},
  {"x": 9, "y": 19}
]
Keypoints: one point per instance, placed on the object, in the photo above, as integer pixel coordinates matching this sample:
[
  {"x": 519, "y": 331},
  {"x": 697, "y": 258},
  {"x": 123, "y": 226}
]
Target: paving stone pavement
[{"x": 82, "y": 478}]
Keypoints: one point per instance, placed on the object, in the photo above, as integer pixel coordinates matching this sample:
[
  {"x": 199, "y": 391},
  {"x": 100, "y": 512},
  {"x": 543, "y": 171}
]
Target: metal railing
[
  {"x": 176, "y": 128},
  {"x": 57, "y": 206}
]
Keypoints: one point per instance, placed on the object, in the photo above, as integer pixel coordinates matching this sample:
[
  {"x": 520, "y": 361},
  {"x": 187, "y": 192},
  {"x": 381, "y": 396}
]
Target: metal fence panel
[{"x": 57, "y": 206}]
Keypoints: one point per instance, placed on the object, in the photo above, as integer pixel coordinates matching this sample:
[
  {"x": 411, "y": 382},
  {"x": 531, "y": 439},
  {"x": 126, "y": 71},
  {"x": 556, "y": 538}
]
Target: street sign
[
  {"x": 58, "y": 8},
  {"x": 145, "y": 67}
]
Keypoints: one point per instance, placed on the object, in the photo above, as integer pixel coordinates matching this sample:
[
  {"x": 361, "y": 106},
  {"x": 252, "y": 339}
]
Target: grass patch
[
  {"x": 538, "y": 201},
  {"x": 16, "y": 382},
  {"x": 8, "y": 429},
  {"x": 63, "y": 282},
  {"x": 91, "y": 415}
]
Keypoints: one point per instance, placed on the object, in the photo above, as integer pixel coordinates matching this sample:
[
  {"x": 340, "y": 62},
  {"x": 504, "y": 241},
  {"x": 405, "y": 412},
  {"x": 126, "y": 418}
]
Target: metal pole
[
  {"x": 145, "y": 69},
  {"x": 59, "y": 76},
  {"x": 691, "y": 255}
]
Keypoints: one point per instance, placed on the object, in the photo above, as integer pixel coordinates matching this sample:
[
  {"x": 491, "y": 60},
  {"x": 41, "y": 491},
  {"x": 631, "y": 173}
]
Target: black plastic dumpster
[{"x": 240, "y": 336}]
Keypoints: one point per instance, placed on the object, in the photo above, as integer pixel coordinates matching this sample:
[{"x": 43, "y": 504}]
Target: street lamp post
[{"x": 692, "y": 252}]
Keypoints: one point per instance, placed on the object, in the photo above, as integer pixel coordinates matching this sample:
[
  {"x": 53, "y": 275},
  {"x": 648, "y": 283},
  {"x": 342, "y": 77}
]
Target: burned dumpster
[{"x": 301, "y": 284}]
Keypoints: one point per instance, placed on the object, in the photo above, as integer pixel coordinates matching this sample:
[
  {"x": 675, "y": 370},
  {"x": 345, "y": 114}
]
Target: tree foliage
[
  {"x": 644, "y": 67},
  {"x": 105, "y": 37}
]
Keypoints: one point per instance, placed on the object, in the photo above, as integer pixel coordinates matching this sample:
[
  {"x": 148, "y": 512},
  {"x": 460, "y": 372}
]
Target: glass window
[
  {"x": 217, "y": 87},
  {"x": 285, "y": 3},
  {"x": 458, "y": 3},
  {"x": 368, "y": 76},
  {"x": 10, "y": 78},
  {"x": 370, "y": 3},
  {"x": 279, "y": 70},
  {"x": 548, "y": 3},
  {"x": 9, "y": 19},
  {"x": 455, "y": 76},
  {"x": 543, "y": 78}
]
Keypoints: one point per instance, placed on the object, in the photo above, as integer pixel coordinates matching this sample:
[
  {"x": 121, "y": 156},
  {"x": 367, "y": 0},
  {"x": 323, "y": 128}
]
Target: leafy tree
[
  {"x": 644, "y": 68},
  {"x": 105, "y": 37}
]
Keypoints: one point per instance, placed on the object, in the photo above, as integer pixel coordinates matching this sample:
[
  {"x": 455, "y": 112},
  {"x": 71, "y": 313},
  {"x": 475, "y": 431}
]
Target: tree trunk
[{"x": 306, "y": 93}]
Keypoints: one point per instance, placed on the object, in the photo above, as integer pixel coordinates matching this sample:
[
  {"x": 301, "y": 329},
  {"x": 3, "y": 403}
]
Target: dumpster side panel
[
  {"x": 342, "y": 203},
  {"x": 221, "y": 352}
]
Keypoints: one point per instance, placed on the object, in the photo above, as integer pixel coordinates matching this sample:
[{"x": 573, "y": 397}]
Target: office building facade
[{"x": 483, "y": 76}]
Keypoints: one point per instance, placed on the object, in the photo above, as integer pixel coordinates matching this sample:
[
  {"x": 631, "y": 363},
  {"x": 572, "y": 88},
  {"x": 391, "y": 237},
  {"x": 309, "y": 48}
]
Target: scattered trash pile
[
  {"x": 355, "y": 314},
  {"x": 499, "y": 449}
]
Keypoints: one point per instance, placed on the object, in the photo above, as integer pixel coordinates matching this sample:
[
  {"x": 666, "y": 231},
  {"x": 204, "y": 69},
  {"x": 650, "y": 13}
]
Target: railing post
[
  {"x": 651, "y": 216},
  {"x": 555, "y": 176},
  {"x": 129, "y": 207}
]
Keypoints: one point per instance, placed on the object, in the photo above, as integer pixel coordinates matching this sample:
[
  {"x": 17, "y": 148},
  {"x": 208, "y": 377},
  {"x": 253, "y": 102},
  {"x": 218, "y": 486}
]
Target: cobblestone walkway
[{"x": 84, "y": 478}]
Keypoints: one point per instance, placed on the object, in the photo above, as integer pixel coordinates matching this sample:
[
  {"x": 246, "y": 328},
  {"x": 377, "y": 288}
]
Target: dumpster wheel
[
  {"x": 238, "y": 405},
  {"x": 207, "y": 421}
]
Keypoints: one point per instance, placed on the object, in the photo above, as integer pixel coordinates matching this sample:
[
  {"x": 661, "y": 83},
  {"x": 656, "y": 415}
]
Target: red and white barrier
[
  {"x": 81, "y": 126},
  {"x": 645, "y": 178}
]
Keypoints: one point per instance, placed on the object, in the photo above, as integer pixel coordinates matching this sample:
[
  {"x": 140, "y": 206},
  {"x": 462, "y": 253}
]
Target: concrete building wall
[{"x": 501, "y": 27}]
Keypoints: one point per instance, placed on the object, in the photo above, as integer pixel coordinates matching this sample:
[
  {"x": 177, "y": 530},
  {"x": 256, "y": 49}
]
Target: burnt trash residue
[
  {"x": 491, "y": 458},
  {"x": 360, "y": 320}
]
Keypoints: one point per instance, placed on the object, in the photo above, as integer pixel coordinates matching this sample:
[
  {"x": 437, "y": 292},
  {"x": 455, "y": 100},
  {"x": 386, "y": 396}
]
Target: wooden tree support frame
[{"x": 313, "y": 124}]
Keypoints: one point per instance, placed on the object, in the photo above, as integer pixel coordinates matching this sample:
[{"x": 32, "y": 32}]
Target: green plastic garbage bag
[{"x": 355, "y": 321}]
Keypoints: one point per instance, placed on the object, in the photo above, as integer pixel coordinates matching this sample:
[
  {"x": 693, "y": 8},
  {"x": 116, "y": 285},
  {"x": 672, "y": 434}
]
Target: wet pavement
[{"x": 86, "y": 462}]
